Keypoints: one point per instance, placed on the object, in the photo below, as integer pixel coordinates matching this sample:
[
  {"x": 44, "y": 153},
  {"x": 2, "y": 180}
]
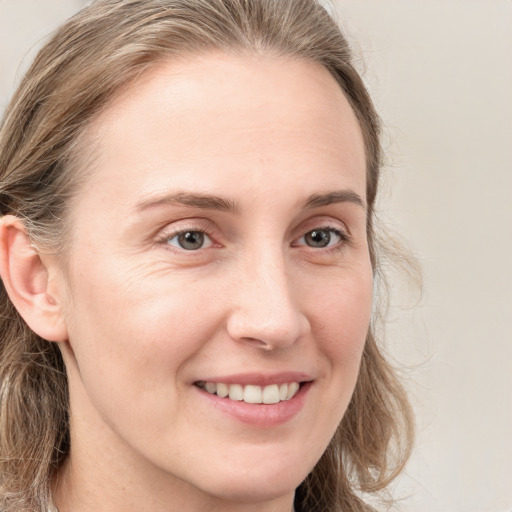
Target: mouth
[{"x": 251, "y": 393}]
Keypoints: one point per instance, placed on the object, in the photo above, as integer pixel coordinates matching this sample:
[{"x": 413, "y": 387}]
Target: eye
[
  {"x": 191, "y": 240},
  {"x": 322, "y": 238}
]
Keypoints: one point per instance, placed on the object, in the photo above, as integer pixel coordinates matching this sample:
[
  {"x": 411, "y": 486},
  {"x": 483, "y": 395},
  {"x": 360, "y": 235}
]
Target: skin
[{"x": 145, "y": 319}]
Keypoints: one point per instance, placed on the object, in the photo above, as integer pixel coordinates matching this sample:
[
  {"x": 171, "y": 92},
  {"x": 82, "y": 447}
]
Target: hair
[{"x": 96, "y": 53}]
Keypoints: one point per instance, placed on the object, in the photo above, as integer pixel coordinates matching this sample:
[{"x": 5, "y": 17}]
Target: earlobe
[{"x": 28, "y": 282}]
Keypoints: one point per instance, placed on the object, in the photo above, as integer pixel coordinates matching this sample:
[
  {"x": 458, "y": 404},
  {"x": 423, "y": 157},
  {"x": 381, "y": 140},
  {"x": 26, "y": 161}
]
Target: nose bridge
[{"x": 265, "y": 309}]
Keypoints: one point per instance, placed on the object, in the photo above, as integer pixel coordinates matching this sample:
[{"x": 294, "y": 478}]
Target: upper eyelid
[
  {"x": 324, "y": 222},
  {"x": 163, "y": 236},
  {"x": 175, "y": 232},
  {"x": 184, "y": 225}
]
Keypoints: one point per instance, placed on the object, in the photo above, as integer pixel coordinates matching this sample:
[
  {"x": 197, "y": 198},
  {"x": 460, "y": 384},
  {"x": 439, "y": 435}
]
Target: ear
[{"x": 29, "y": 282}]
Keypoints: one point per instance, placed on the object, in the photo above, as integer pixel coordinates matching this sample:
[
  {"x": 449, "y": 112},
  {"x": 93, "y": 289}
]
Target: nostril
[{"x": 267, "y": 345}]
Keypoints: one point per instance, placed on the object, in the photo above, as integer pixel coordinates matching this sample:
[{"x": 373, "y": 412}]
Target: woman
[{"x": 187, "y": 258}]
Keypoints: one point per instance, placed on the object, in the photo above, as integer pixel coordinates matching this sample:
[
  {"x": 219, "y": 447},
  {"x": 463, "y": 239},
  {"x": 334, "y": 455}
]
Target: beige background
[{"x": 441, "y": 74}]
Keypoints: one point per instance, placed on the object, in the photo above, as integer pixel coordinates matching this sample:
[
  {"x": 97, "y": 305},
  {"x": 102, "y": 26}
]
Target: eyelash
[
  {"x": 343, "y": 237},
  {"x": 168, "y": 237}
]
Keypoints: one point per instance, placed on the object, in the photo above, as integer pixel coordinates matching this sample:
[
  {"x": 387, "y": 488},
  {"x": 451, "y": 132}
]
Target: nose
[{"x": 265, "y": 311}]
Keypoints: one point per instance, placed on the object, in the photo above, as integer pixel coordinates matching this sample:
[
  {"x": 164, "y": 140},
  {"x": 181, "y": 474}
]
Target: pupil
[
  {"x": 318, "y": 238},
  {"x": 191, "y": 240}
]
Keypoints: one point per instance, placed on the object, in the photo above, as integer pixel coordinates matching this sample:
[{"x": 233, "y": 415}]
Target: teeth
[
  {"x": 252, "y": 394},
  {"x": 222, "y": 390},
  {"x": 271, "y": 394},
  {"x": 211, "y": 387},
  {"x": 236, "y": 392},
  {"x": 283, "y": 391},
  {"x": 292, "y": 390}
]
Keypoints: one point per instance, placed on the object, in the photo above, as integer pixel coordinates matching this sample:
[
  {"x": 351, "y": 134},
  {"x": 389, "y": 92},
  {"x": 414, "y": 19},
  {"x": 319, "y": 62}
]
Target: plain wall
[
  {"x": 441, "y": 75},
  {"x": 440, "y": 72}
]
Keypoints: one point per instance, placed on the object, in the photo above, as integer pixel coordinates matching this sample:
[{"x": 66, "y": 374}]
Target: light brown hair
[{"x": 73, "y": 78}]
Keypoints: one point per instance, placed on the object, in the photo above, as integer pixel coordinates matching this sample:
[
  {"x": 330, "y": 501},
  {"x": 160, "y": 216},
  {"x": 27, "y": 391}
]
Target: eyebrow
[
  {"x": 340, "y": 196},
  {"x": 212, "y": 202},
  {"x": 201, "y": 201}
]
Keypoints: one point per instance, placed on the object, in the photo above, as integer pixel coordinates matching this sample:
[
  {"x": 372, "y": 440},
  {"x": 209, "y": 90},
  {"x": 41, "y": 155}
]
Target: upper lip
[{"x": 259, "y": 379}]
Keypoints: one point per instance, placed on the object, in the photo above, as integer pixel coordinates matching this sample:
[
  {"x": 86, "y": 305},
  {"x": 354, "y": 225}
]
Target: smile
[{"x": 252, "y": 394}]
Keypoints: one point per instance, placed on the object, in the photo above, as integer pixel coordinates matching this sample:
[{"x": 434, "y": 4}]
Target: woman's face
[{"x": 218, "y": 246}]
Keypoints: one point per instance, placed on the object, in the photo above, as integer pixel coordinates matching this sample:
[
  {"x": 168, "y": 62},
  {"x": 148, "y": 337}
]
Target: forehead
[{"x": 230, "y": 121}]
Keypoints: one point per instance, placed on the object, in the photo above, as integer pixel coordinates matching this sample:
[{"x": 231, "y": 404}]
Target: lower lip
[{"x": 259, "y": 415}]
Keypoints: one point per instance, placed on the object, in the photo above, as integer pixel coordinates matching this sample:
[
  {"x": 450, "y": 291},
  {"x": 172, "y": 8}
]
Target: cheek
[
  {"x": 123, "y": 326},
  {"x": 342, "y": 313},
  {"x": 341, "y": 322},
  {"x": 340, "y": 318},
  {"x": 138, "y": 321},
  {"x": 131, "y": 341}
]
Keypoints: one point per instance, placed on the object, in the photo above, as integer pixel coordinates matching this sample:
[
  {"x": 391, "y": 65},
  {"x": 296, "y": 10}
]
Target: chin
[
  {"x": 256, "y": 482},
  {"x": 254, "y": 490}
]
